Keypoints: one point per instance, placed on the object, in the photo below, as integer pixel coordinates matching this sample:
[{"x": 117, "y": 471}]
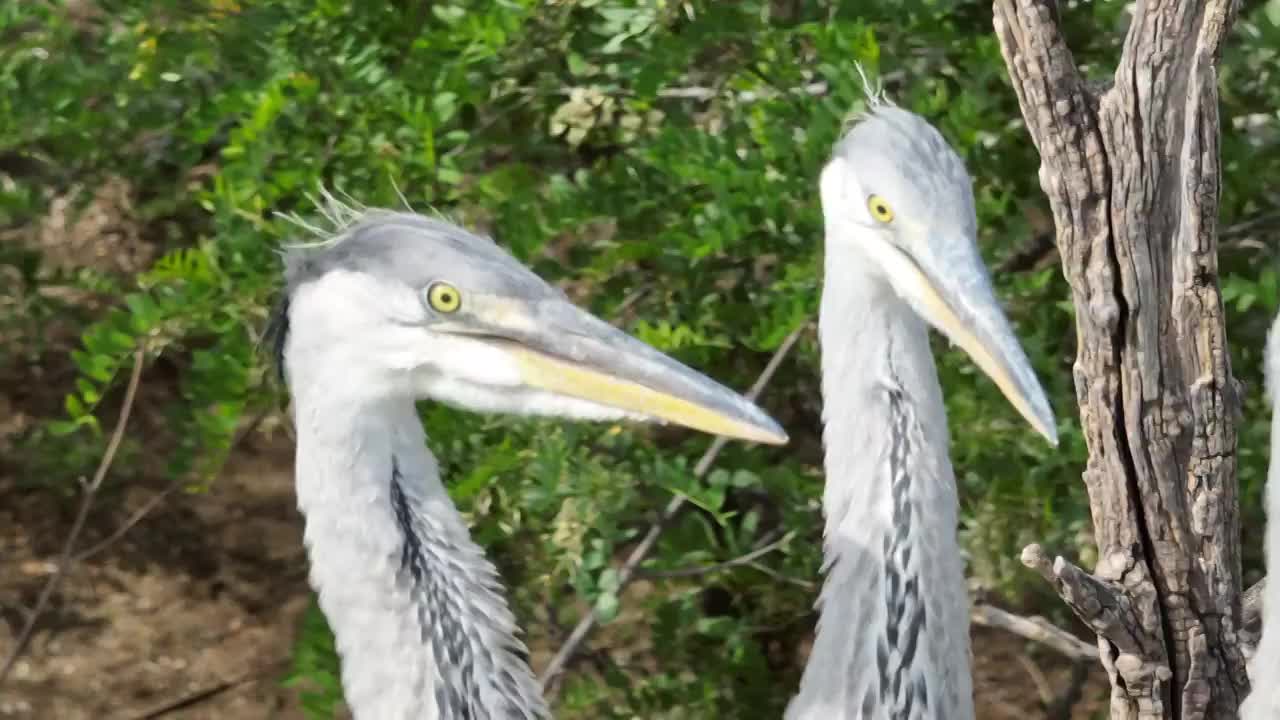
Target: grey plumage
[
  {"x": 417, "y": 611},
  {"x": 1263, "y": 702},
  {"x": 905, "y": 614},
  {"x": 381, "y": 243},
  {"x": 901, "y": 254},
  {"x": 454, "y": 604}
]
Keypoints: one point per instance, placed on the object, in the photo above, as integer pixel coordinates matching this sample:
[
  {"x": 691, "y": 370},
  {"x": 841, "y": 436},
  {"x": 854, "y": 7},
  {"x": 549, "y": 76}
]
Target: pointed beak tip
[
  {"x": 761, "y": 429},
  {"x": 1048, "y": 428},
  {"x": 776, "y": 436},
  {"x": 771, "y": 433}
]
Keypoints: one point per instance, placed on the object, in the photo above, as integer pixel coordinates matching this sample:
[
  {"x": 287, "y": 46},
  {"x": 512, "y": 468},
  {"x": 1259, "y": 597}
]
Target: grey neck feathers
[
  {"x": 1263, "y": 702},
  {"x": 464, "y": 620},
  {"x": 417, "y": 611},
  {"x": 892, "y": 637}
]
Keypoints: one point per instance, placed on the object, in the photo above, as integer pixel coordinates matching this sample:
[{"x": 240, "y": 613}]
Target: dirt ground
[
  {"x": 194, "y": 612},
  {"x": 198, "y": 603}
]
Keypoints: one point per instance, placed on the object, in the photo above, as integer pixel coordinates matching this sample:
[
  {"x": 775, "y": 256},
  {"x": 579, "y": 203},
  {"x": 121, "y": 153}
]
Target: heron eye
[
  {"x": 444, "y": 297},
  {"x": 879, "y": 209}
]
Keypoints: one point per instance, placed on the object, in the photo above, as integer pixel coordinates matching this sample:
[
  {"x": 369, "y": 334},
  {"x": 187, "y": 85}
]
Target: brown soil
[
  {"x": 200, "y": 603},
  {"x": 204, "y": 593},
  {"x": 1011, "y": 678}
]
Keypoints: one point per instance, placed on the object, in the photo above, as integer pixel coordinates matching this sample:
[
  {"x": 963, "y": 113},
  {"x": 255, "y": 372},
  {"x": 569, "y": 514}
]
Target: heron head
[
  {"x": 896, "y": 194},
  {"x": 398, "y": 304}
]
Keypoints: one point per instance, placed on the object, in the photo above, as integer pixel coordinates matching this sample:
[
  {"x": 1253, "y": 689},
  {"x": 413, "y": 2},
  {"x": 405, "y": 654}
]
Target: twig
[
  {"x": 188, "y": 701},
  {"x": 90, "y": 492},
  {"x": 637, "y": 556},
  {"x": 1247, "y": 226},
  {"x": 133, "y": 520},
  {"x": 1043, "y": 687},
  {"x": 154, "y": 501},
  {"x": 1061, "y": 707},
  {"x": 1034, "y": 628},
  {"x": 813, "y": 89},
  {"x": 1081, "y": 654},
  {"x": 804, "y": 584},
  {"x": 703, "y": 94},
  {"x": 707, "y": 569},
  {"x": 631, "y": 299}
]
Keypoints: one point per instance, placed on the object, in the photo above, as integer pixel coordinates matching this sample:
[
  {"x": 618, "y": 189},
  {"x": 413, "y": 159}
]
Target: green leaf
[
  {"x": 74, "y": 407},
  {"x": 606, "y": 607}
]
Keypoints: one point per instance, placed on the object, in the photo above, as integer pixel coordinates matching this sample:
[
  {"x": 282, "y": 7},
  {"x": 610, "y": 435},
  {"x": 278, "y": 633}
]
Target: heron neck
[
  {"x": 1264, "y": 698},
  {"x": 892, "y": 638},
  {"x": 417, "y": 611}
]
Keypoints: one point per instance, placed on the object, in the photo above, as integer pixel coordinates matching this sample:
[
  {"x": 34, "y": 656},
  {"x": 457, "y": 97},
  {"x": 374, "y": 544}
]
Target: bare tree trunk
[{"x": 1131, "y": 172}]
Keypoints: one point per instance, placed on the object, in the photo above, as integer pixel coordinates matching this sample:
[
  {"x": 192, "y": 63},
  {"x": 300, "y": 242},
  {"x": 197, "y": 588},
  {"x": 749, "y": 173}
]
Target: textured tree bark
[{"x": 1131, "y": 172}]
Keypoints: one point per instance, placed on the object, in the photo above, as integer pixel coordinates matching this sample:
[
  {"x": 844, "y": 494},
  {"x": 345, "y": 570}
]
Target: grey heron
[
  {"x": 900, "y": 255},
  {"x": 394, "y": 307},
  {"x": 1263, "y": 702}
]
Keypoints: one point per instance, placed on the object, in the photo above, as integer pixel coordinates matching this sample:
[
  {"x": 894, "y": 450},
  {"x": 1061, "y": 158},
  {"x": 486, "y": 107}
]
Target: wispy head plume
[
  {"x": 339, "y": 215},
  {"x": 873, "y": 94},
  {"x": 403, "y": 200}
]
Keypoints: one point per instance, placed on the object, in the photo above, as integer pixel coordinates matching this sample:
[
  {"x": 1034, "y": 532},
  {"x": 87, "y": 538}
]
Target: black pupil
[
  {"x": 880, "y": 209},
  {"x": 446, "y": 297}
]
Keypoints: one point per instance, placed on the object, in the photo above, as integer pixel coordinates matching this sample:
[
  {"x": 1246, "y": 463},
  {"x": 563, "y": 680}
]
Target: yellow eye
[
  {"x": 444, "y": 297},
  {"x": 879, "y": 209}
]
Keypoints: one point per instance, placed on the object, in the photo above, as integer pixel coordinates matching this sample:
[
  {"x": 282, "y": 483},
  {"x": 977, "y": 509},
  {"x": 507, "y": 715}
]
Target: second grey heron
[
  {"x": 394, "y": 307},
  {"x": 901, "y": 254},
  {"x": 1263, "y": 702}
]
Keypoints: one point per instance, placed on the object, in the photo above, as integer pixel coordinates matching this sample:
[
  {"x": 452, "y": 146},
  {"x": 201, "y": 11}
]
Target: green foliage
[
  {"x": 314, "y": 661},
  {"x": 657, "y": 155}
]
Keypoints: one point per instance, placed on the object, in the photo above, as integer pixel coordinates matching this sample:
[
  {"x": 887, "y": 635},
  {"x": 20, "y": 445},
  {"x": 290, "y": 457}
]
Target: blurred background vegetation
[{"x": 656, "y": 158}]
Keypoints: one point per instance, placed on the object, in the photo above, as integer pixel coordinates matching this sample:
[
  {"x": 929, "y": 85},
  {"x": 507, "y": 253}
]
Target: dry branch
[
  {"x": 1034, "y": 628},
  {"x": 91, "y": 487},
  {"x": 158, "y": 499},
  {"x": 1131, "y": 172},
  {"x": 193, "y": 699},
  {"x": 745, "y": 559}
]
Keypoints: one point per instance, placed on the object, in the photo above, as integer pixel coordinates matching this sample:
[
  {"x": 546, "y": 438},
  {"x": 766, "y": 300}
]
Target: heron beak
[
  {"x": 561, "y": 349},
  {"x": 955, "y": 296}
]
